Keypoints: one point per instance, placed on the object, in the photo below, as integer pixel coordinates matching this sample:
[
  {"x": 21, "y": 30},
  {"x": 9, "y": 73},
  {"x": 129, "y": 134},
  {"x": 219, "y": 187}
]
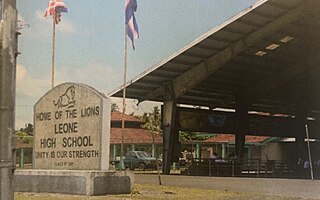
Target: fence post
[
  {"x": 232, "y": 168},
  {"x": 259, "y": 163},
  {"x": 209, "y": 167},
  {"x": 266, "y": 171}
]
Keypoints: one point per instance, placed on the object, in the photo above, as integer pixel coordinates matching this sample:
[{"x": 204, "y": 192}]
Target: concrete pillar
[
  {"x": 21, "y": 158},
  {"x": 302, "y": 97},
  {"x": 132, "y": 147},
  {"x": 223, "y": 151},
  {"x": 240, "y": 141},
  {"x": 242, "y": 124},
  {"x": 114, "y": 152},
  {"x": 169, "y": 131},
  {"x": 8, "y": 42},
  {"x": 198, "y": 150},
  {"x": 153, "y": 150}
]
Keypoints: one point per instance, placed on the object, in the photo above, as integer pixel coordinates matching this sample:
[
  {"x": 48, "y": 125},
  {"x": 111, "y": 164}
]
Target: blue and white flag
[{"x": 131, "y": 23}]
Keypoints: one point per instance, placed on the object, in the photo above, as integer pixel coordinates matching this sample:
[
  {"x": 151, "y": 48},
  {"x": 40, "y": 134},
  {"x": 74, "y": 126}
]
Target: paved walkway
[{"x": 268, "y": 186}]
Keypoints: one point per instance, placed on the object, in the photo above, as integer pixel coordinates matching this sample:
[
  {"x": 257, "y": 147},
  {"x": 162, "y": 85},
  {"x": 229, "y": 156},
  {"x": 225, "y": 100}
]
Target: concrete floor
[{"x": 267, "y": 186}]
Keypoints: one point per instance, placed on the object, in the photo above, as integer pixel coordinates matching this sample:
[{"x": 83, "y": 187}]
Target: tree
[
  {"x": 27, "y": 129},
  {"x": 24, "y": 137},
  {"x": 188, "y": 135},
  {"x": 114, "y": 107},
  {"x": 152, "y": 120}
]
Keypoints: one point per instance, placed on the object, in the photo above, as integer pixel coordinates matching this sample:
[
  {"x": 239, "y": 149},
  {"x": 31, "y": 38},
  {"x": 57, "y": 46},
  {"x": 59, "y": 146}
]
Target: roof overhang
[{"x": 269, "y": 53}]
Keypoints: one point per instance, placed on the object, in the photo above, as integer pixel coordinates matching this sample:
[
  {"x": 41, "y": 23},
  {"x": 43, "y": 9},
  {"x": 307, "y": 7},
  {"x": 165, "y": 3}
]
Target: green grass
[{"x": 154, "y": 192}]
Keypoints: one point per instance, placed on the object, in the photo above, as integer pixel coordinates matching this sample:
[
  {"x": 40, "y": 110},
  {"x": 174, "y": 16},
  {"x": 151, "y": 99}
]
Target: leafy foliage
[
  {"x": 188, "y": 135},
  {"x": 24, "y": 137},
  {"x": 152, "y": 120},
  {"x": 114, "y": 107},
  {"x": 28, "y": 129}
]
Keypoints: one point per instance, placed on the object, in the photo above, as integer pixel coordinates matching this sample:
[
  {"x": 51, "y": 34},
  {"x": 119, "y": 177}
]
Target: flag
[
  {"x": 56, "y": 7},
  {"x": 131, "y": 23}
]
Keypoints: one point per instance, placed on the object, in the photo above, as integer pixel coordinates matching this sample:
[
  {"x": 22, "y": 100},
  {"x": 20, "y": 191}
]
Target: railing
[{"x": 237, "y": 167}]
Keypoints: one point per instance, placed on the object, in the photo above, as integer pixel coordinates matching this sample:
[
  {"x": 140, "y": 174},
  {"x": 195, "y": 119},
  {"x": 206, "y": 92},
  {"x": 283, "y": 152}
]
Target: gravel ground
[{"x": 286, "y": 188}]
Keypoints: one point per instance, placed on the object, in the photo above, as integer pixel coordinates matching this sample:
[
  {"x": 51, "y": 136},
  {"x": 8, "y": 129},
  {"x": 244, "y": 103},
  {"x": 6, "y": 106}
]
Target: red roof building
[
  {"x": 133, "y": 133},
  {"x": 117, "y": 116},
  {"x": 230, "y": 138},
  {"x": 135, "y": 137}
]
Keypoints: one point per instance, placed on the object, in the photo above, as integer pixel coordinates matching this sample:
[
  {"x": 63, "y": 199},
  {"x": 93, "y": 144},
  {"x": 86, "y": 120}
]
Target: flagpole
[
  {"x": 124, "y": 98},
  {"x": 309, "y": 152},
  {"x": 53, "y": 46}
]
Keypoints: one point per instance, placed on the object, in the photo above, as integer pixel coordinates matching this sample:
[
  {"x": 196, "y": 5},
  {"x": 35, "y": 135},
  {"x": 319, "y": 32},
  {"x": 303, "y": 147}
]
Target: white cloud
[
  {"x": 20, "y": 17},
  {"x": 29, "y": 86},
  {"x": 41, "y": 27},
  {"x": 28, "y": 90},
  {"x": 21, "y": 72},
  {"x": 64, "y": 26},
  {"x": 98, "y": 75}
]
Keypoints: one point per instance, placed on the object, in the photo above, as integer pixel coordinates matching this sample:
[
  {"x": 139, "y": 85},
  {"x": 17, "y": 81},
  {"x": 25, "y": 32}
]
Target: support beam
[
  {"x": 201, "y": 71},
  {"x": 168, "y": 122},
  {"x": 242, "y": 124},
  {"x": 302, "y": 111},
  {"x": 240, "y": 142}
]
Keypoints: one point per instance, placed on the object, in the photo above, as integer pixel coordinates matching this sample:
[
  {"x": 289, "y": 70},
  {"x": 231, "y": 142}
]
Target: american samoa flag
[
  {"x": 131, "y": 23},
  {"x": 56, "y": 7}
]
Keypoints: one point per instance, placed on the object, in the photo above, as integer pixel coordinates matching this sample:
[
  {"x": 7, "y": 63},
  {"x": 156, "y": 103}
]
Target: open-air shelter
[{"x": 263, "y": 60}]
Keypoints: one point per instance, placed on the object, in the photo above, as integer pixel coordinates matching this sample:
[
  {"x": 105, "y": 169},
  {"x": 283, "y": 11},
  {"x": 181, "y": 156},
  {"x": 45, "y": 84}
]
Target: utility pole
[{"x": 8, "y": 52}]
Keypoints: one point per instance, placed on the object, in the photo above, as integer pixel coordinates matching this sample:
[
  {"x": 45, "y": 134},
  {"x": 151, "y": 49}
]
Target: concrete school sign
[
  {"x": 72, "y": 129},
  {"x": 71, "y": 145}
]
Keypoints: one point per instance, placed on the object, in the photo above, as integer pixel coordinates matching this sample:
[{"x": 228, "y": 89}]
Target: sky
[{"x": 90, "y": 43}]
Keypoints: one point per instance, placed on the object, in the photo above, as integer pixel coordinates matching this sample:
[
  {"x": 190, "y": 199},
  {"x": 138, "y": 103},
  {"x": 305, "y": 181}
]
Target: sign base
[{"x": 79, "y": 182}]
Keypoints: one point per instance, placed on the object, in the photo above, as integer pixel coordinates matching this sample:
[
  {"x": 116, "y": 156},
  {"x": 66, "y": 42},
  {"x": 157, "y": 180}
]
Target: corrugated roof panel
[
  {"x": 155, "y": 79},
  {"x": 174, "y": 67},
  {"x": 213, "y": 44},
  {"x": 255, "y": 20},
  {"x": 165, "y": 73},
  {"x": 199, "y": 52},
  {"x": 188, "y": 59},
  {"x": 285, "y": 4},
  {"x": 236, "y": 68},
  {"x": 146, "y": 86},
  {"x": 269, "y": 11},
  {"x": 240, "y": 28}
]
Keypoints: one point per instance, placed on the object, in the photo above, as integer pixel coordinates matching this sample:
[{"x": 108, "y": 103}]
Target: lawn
[{"x": 154, "y": 192}]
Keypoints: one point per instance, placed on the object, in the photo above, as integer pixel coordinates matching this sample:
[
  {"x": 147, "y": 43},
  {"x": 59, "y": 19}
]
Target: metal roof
[{"x": 268, "y": 53}]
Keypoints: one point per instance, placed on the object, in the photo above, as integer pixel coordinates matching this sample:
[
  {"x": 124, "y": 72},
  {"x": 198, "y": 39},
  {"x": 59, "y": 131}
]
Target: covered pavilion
[{"x": 262, "y": 60}]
